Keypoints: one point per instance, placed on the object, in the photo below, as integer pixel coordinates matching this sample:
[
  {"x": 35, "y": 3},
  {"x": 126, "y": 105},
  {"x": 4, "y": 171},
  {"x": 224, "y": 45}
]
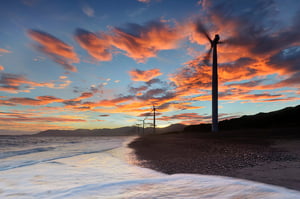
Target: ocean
[{"x": 102, "y": 167}]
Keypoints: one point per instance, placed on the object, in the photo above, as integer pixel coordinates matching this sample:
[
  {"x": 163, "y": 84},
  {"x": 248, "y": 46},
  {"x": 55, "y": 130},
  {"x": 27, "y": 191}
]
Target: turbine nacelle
[
  {"x": 214, "y": 42},
  {"x": 216, "y": 39}
]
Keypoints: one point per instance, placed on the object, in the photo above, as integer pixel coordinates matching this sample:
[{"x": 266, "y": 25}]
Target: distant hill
[
  {"x": 123, "y": 131},
  {"x": 284, "y": 118},
  {"x": 88, "y": 132}
]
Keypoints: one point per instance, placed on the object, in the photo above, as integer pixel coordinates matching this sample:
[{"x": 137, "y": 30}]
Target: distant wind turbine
[
  {"x": 154, "y": 124},
  {"x": 213, "y": 47},
  {"x": 154, "y": 118}
]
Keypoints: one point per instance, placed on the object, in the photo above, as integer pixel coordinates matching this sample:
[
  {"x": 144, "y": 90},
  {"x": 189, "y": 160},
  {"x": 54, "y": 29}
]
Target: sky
[{"x": 104, "y": 64}]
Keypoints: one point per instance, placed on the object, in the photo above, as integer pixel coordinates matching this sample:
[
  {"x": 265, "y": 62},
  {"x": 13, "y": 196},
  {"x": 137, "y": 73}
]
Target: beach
[
  {"x": 100, "y": 167},
  {"x": 269, "y": 156}
]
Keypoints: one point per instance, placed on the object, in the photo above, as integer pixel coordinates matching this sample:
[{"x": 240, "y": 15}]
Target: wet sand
[{"x": 267, "y": 156}]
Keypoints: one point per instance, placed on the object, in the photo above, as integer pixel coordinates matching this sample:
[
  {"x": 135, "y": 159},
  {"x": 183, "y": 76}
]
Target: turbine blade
[
  {"x": 201, "y": 29},
  {"x": 207, "y": 57}
]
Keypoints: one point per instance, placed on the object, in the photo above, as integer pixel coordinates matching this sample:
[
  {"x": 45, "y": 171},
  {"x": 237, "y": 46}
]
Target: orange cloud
[
  {"x": 41, "y": 100},
  {"x": 196, "y": 29},
  {"x": 138, "y": 42},
  {"x": 1, "y": 68},
  {"x": 96, "y": 46},
  {"x": 77, "y": 102},
  {"x": 192, "y": 79},
  {"x": 240, "y": 69},
  {"x": 14, "y": 83},
  {"x": 86, "y": 95},
  {"x": 49, "y": 99},
  {"x": 2, "y": 50},
  {"x": 139, "y": 75},
  {"x": 57, "y": 50},
  {"x": 143, "y": 42}
]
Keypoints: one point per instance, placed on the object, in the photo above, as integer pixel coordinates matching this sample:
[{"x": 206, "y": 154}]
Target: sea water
[{"x": 99, "y": 167}]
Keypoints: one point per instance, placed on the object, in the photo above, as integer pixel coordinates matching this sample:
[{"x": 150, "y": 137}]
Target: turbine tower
[
  {"x": 214, "y": 43},
  {"x": 215, "y": 85},
  {"x": 154, "y": 124}
]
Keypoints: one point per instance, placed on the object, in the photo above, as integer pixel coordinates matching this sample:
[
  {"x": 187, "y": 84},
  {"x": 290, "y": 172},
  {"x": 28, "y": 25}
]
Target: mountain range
[{"x": 284, "y": 118}]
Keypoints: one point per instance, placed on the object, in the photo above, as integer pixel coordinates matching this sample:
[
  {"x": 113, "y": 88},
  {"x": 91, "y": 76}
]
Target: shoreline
[{"x": 270, "y": 160}]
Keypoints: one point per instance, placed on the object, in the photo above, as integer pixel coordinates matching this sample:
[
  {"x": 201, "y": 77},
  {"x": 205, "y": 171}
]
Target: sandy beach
[{"x": 267, "y": 156}]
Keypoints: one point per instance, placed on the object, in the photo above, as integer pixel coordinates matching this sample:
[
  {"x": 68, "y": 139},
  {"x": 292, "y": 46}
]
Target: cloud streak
[
  {"x": 88, "y": 10},
  {"x": 13, "y": 83},
  {"x": 39, "y": 119},
  {"x": 55, "y": 49},
  {"x": 2, "y": 50},
  {"x": 41, "y": 100},
  {"x": 147, "y": 75}
]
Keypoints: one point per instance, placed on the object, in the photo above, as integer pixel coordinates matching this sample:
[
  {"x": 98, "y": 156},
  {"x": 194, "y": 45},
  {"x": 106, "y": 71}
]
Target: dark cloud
[
  {"x": 290, "y": 81},
  {"x": 248, "y": 84},
  {"x": 280, "y": 40},
  {"x": 72, "y": 103},
  {"x": 136, "y": 90},
  {"x": 259, "y": 32},
  {"x": 146, "y": 76},
  {"x": 287, "y": 59},
  {"x": 86, "y": 95},
  {"x": 41, "y": 100},
  {"x": 239, "y": 16},
  {"x": 153, "y": 81},
  {"x": 92, "y": 90},
  {"x": 149, "y": 114},
  {"x": 153, "y": 93},
  {"x": 104, "y": 115},
  {"x": 284, "y": 99}
]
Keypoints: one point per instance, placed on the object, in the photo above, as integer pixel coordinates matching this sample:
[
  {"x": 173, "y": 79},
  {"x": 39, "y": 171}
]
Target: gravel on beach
[{"x": 221, "y": 155}]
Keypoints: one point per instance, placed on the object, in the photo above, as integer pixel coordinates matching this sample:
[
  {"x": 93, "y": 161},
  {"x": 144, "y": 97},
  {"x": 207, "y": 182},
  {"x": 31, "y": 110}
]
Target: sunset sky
[{"x": 104, "y": 63}]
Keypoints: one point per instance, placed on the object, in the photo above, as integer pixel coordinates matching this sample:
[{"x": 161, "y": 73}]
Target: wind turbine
[
  {"x": 154, "y": 124},
  {"x": 213, "y": 48},
  {"x": 154, "y": 118}
]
